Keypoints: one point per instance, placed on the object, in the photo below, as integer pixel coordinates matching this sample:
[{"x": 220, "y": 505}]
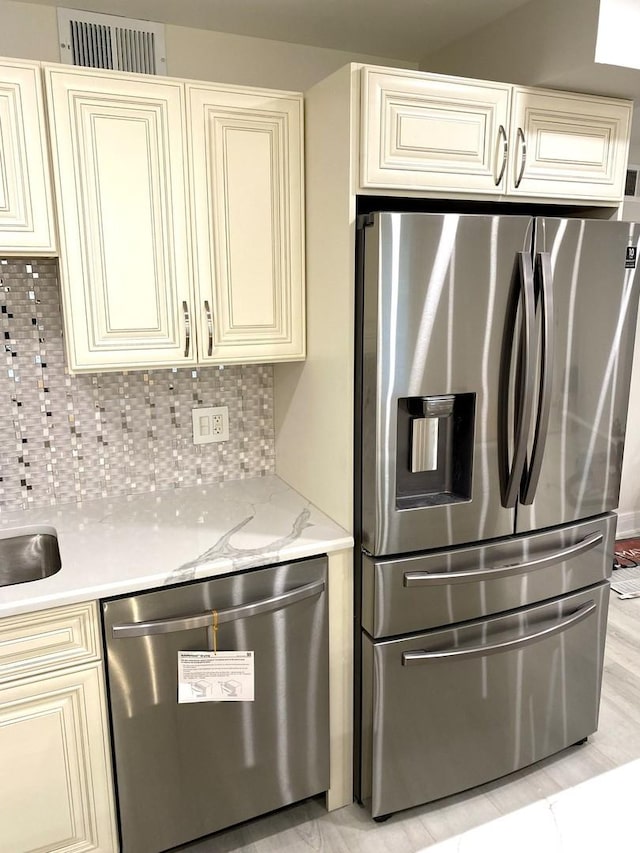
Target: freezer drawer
[
  {"x": 447, "y": 710},
  {"x": 186, "y": 770},
  {"x": 415, "y": 593}
]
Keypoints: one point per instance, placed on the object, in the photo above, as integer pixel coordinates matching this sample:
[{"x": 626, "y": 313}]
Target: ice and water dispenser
[{"x": 434, "y": 450}]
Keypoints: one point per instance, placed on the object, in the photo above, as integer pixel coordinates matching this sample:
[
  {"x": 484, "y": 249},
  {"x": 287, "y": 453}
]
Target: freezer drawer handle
[
  {"x": 231, "y": 614},
  {"x": 410, "y": 658},
  {"x": 441, "y": 578}
]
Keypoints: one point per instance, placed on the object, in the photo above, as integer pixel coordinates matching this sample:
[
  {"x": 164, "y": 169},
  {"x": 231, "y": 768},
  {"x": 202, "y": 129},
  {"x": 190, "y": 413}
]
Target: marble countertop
[{"x": 120, "y": 545}]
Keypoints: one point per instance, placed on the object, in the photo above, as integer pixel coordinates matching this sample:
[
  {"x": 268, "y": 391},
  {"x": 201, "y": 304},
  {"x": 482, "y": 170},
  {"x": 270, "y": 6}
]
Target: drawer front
[
  {"x": 443, "y": 588},
  {"x": 49, "y": 639},
  {"x": 447, "y": 710},
  {"x": 433, "y": 133}
]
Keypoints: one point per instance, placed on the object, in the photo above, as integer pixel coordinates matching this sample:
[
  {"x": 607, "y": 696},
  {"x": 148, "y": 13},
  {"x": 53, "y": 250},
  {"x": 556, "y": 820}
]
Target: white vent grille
[
  {"x": 108, "y": 41},
  {"x": 632, "y": 182}
]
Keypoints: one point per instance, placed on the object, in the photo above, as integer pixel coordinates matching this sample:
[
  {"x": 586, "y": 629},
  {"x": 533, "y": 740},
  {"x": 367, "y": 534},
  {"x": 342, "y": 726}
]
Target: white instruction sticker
[{"x": 215, "y": 677}]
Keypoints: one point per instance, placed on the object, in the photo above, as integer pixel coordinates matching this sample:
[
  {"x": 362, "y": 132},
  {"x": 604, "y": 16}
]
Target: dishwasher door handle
[{"x": 230, "y": 614}]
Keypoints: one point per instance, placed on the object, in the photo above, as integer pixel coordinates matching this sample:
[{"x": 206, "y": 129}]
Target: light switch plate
[{"x": 210, "y": 424}]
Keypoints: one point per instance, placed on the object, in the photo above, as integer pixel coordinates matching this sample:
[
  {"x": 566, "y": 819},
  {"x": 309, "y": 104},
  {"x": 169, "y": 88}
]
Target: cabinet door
[
  {"x": 246, "y": 157},
  {"x": 568, "y": 146},
  {"x": 55, "y": 777},
  {"x": 430, "y": 132},
  {"x": 120, "y": 170},
  {"x": 26, "y": 216}
]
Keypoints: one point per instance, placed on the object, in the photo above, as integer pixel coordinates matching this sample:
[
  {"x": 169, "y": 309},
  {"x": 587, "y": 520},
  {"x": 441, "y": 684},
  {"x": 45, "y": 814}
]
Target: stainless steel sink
[{"x": 28, "y": 556}]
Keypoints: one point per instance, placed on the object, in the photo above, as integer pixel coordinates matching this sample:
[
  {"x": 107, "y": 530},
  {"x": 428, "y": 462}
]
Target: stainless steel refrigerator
[{"x": 492, "y": 372}]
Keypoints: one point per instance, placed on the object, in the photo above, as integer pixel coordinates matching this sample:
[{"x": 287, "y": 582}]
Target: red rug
[{"x": 627, "y": 553}]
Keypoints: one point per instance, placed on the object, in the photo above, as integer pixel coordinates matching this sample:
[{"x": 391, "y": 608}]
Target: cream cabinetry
[
  {"x": 246, "y": 164},
  {"x": 26, "y": 214},
  {"x": 181, "y": 229},
  {"x": 55, "y": 779},
  {"x": 437, "y": 134},
  {"x": 119, "y": 163},
  {"x": 568, "y": 145}
]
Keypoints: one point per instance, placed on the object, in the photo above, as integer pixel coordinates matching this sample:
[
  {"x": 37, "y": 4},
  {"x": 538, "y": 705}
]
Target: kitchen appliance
[
  {"x": 493, "y": 368},
  {"x": 186, "y": 770}
]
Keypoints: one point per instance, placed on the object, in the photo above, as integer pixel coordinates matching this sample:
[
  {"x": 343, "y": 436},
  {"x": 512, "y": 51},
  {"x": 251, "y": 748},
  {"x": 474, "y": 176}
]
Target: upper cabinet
[
  {"x": 246, "y": 164},
  {"x": 431, "y": 133},
  {"x": 26, "y": 217},
  {"x": 571, "y": 146},
  {"x": 119, "y": 162},
  {"x": 180, "y": 210}
]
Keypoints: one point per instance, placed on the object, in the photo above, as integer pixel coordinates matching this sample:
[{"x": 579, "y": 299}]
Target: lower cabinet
[{"x": 55, "y": 775}]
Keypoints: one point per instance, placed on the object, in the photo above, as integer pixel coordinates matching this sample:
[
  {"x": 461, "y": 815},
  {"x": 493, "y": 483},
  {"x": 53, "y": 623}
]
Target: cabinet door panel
[
  {"x": 120, "y": 167},
  {"x": 568, "y": 146},
  {"x": 247, "y": 192},
  {"x": 26, "y": 216},
  {"x": 55, "y": 783},
  {"x": 429, "y": 132}
]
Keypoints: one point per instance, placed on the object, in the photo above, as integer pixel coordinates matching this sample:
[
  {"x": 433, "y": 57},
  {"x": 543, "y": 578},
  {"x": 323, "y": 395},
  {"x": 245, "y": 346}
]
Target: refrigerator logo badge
[{"x": 630, "y": 262}]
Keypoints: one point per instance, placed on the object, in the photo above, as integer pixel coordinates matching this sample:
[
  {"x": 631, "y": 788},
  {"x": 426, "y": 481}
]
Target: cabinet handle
[
  {"x": 187, "y": 329},
  {"x": 209, "y": 326},
  {"x": 505, "y": 148},
  {"x": 523, "y": 155}
]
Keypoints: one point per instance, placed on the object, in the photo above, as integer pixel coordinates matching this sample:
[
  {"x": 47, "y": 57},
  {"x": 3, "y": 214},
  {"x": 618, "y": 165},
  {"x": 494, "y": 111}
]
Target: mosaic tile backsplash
[{"x": 67, "y": 438}]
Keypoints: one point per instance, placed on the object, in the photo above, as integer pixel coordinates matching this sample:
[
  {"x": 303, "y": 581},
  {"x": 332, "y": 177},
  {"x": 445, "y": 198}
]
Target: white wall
[
  {"x": 553, "y": 43},
  {"x": 30, "y": 31},
  {"x": 532, "y": 45}
]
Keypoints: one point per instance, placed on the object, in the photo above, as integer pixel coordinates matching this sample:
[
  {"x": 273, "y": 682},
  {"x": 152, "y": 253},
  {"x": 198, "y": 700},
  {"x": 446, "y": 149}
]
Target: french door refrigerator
[{"x": 492, "y": 373}]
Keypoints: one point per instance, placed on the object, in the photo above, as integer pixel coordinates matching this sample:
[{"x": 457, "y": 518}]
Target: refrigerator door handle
[
  {"x": 511, "y": 475},
  {"x": 495, "y": 572},
  {"x": 229, "y": 614},
  {"x": 416, "y": 657},
  {"x": 543, "y": 269}
]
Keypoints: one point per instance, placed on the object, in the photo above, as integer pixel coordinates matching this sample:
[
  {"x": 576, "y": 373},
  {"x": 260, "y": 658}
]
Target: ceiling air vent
[{"x": 108, "y": 41}]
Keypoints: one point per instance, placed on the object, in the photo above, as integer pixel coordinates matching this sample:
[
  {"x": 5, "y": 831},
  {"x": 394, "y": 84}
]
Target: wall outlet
[{"x": 210, "y": 424}]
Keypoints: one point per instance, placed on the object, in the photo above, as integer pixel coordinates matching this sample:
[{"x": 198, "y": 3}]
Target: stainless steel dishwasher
[{"x": 186, "y": 770}]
